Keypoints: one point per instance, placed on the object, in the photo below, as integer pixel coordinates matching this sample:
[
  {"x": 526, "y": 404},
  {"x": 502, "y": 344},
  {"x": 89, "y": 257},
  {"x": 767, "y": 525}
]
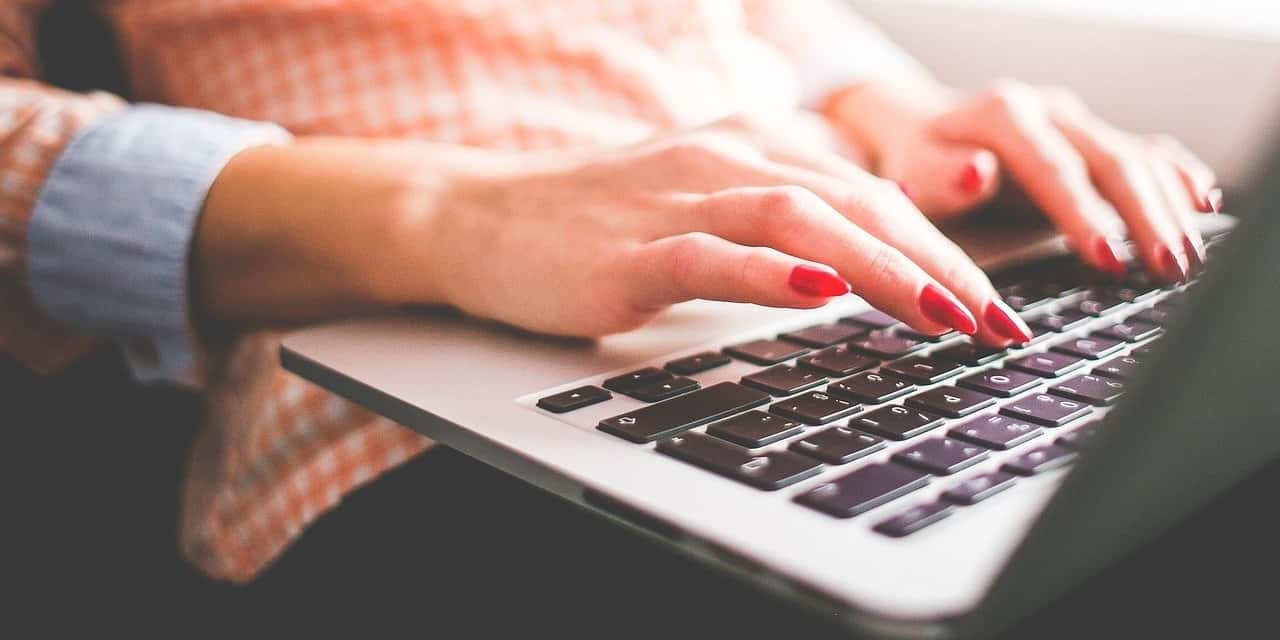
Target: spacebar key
[{"x": 658, "y": 421}]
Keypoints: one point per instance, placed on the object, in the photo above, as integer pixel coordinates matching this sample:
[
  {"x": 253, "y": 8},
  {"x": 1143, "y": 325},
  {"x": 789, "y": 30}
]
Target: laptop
[{"x": 908, "y": 486}]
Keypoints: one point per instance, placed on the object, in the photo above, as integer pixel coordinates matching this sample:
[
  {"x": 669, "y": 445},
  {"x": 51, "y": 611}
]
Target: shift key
[{"x": 664, "y": 419}]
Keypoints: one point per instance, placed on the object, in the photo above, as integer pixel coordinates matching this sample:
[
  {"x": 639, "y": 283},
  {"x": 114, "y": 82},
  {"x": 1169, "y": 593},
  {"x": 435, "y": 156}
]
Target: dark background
[{"x": 93, "y": 466}]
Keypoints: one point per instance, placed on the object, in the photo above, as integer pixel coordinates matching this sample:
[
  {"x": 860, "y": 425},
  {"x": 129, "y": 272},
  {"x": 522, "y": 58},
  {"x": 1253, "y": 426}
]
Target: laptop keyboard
[{"x": 825, "y": 399}]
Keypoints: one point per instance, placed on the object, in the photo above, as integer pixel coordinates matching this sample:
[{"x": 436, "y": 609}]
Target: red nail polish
[
  {"x": 941, "y": 307},
  {"x": 1106, "y": 257},
  {"x": 812, "y": 281},
  {"x": 1213, "y": 201},
  {"x": 1194, "y": 248},
  {"x": 1001, "y": 319},
  {"x": 907, "y": 191},
  {"x": 1173, "y": 269},
  {"x": 971, "y": 180}
]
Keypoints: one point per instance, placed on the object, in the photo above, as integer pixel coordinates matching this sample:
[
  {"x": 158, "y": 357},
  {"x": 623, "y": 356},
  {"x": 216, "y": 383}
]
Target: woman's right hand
[{"x": 588, "y": 243}]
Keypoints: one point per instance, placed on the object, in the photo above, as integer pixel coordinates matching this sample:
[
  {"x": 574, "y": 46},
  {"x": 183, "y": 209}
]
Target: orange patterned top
[{"x": 276, "y": 452}]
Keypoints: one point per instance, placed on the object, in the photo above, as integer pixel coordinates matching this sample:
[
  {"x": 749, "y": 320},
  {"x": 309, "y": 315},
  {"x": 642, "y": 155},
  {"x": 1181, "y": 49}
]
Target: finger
[
  {"x": 872, "y": 205},
  {"x": 1011, "y": 122},
  {"x": 969, "y": 175},
  {"x": 1198, "y": 179},
  {"x": 1182, "y": 204},
  {"x": 1125, "y": 177},
  {"x": 951, "y": 178},
  {"x": 798, "y": 222},
  {"x": 890, "y": 217},
  {"x": 703, "y": 266}
]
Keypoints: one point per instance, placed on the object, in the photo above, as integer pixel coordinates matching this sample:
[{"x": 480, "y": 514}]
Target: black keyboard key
[
  {"x": 1093, "y": 346},
  {"x": 1062, "y": 320},
  {"x": 783, "y": 380},
  {"x": 1121, "y": 368},
  {"x": 664, "y": 389},
  {"x": 870, "y": 387},
  {"x": 770, "y": 471},
  {"x": 996, "y": 431},
  {"x": 914, "y": 519},
  {"x": 574, "y": 399},
  {"x": 922, "y": 369},
  {"x": 969, "y": 353},
  {"x": 1068, "y": 281},
  {"x": 896, "y": 423},
  {"x": 628, "y": 382},
  {"x": 1100, "y": 304},
  {"x": 941, "y": 456},
  {"x": 697, "y": 363},
  {"x": 838, "y": 445},
  {"x": 814, "y": 407},
  {"x": 1046, "y": 410},
  {"x": 908, "y": 332},
  {"x": 824, "y": 335},
  {"x": 1132, "y": 330},
  {"x": 979, "y": 488},
  {"x": 1153, "y": 315},
  {"x": 657, "y": 421},
  {"x": 765, "y": 352},
  {"x": 838, "y": 361},
  {"x": 1021, "y": 297},
  {"x": 886, "y": 345},
  {"x": 1039, "y": 333},
  {"x": 1081, "y": 437},
  {"x": 1090, "y": 389},
  {"x": 1133, "y": 292},
  {"x": 1047, "y": 364},
  {"x": 952, "y": 402},
  {"x": 754, "y": 429},
  {"x": 863, "y": 489},
  {"x": 874, "y": 319},
  {"x": 1040, "y": 460},
  {"x": 1005, "y": 383}
]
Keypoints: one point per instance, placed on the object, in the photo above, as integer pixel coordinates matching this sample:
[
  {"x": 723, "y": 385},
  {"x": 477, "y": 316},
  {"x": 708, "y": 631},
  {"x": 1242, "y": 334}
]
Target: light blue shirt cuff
[{"x": 110, "y": 234}]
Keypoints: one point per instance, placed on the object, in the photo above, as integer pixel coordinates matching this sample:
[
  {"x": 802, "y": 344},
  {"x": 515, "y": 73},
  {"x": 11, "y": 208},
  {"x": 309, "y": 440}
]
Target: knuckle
[
  {"x": 1010, "y": 96},
  {"x": 882, "y": 264},
  {"x": 744, "y": 120},
  {"x": 684, "y": 256},
  {"x": 700, "y": 148},
  {"x": 786, "y": 201},
  {"x": 751, "y": 267}
]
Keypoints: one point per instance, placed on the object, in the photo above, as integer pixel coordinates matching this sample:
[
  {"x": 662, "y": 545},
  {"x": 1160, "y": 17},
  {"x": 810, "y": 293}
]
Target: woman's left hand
[{"x": 951, "y": 153}]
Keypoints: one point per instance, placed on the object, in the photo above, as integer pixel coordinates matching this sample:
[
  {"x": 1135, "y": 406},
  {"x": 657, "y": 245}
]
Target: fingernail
[
  {"x": 1213, "y": 201},
  {"x": 812, "y": 281},
  {"x": 1173, "y": 268},
  {"x": 971, "y": 179},
  {"x": 1194, "y": 248},
  {"x": 941, "y": 307},
  {"x": 1001, "y": 319},
  {"x": 1106, "y": 257},
  {"x": 907, "y": 191}
]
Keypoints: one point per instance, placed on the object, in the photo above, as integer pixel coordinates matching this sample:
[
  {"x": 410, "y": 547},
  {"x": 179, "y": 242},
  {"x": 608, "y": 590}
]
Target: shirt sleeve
[
  {"x": 830, "y": 46},
  {"x": 98, "y": 201},
  {"x": 110, "y": 232}
]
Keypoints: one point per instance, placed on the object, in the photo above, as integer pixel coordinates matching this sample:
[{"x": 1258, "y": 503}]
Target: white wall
[{"x": 1207, "y": 72}]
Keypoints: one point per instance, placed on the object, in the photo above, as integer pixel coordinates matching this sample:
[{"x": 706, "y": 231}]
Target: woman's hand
[
  {"x": 596, "y": 242},
  {"x": 952, "y": 153}
]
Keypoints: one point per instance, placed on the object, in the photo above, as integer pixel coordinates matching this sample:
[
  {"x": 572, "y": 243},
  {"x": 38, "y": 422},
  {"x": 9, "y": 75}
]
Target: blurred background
[{"x": 1206, "y": 72}]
